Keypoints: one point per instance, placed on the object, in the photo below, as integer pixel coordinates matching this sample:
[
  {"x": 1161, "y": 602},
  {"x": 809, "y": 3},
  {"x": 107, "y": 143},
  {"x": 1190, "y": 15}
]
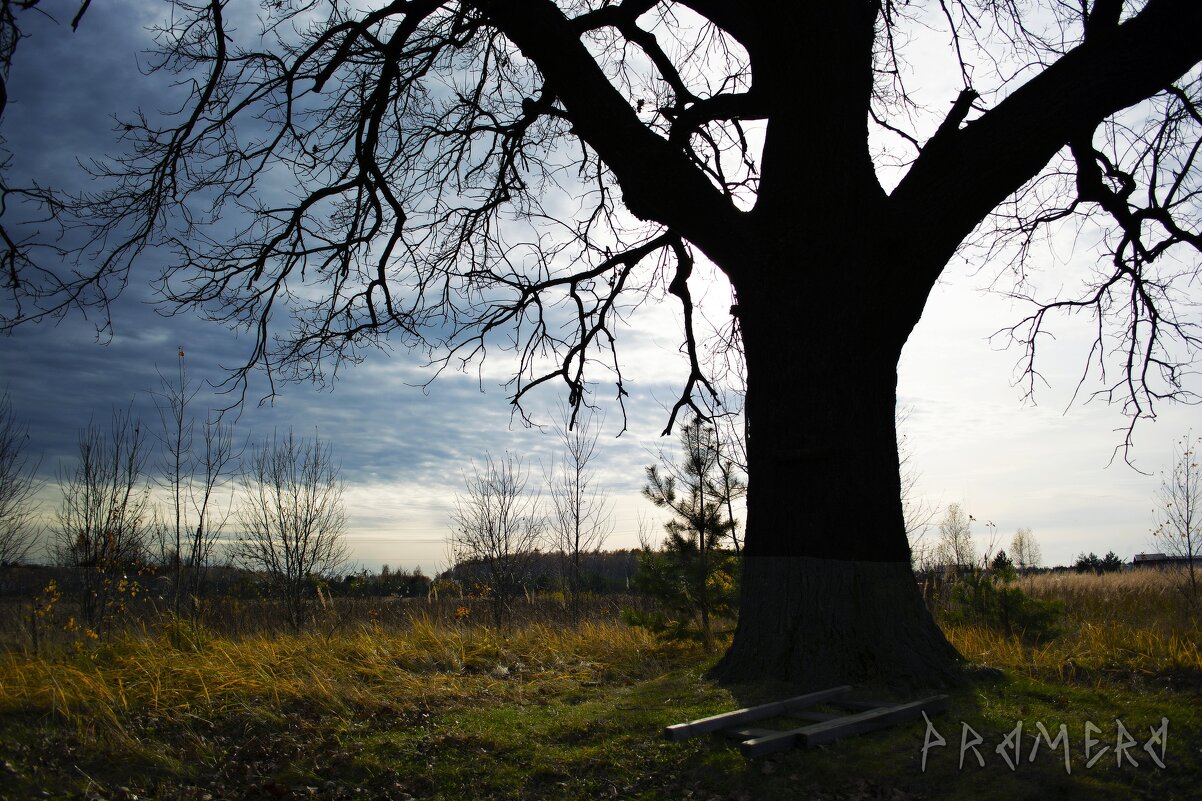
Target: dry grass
[
  {"x": 177, "y": 675},
  {"x": 1138, "y": 593},
  {"x": 1136, "y": 622},
  {"x": 427, "y": 707}
]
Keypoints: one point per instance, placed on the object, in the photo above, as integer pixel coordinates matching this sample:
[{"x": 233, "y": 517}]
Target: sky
[{"x": 404, "y": 449}]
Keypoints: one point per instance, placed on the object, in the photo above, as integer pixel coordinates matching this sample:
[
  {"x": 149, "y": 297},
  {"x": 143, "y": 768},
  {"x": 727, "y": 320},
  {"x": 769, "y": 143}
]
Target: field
[{"x": 427, "y": 707}]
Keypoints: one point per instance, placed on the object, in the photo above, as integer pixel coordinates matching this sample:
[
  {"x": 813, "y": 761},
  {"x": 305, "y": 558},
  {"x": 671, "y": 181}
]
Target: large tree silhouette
[{"x": 466, "y": 174}]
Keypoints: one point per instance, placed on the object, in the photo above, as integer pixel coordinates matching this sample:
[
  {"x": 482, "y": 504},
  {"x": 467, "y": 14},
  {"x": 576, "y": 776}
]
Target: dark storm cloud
[{"x": 65, "y": 88}]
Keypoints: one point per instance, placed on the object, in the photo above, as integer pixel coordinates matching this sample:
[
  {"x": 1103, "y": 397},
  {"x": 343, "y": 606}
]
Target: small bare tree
[
  {"x": 581, "y": 512},
  {"x": 497, "y": 529},
  {"x": 18, "y": 488},
  {"x": 101, "y": 529},
  {"x": 956, "y": 549},
  {"x": 1178, "y": 511},
  {"x": 917, "y": 512},
  {"x": 194, "y": 475},
  {"x": 292, "y": 519},
  {"x": 1024, "y": 550}
]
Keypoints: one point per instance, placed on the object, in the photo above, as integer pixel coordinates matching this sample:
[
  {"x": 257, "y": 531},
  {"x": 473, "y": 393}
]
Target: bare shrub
[
  {"x": 18, "y": 486},
  {"x": 497, "y": 530},
  {"x": 292, "y": 520}
]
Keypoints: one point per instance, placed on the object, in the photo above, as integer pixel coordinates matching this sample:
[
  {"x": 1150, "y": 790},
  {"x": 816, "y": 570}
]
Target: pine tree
[{"x": 692, "y": 575}]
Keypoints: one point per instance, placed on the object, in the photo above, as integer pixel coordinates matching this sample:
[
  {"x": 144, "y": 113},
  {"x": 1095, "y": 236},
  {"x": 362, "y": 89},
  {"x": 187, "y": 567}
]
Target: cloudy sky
[{"x": 404, "y": 448}]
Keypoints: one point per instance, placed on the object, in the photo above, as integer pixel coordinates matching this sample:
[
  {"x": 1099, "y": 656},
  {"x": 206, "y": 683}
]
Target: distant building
[{"x": 1159, "y": 560}]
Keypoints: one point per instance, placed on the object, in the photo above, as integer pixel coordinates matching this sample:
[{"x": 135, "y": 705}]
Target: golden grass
[
  {"x": 1134, "y": 592},
  {"x": 1095, "y": 647},
  {"x": 210, "y": 676},
  {"x": 1129, "y": 622},
  {"x": 1132, "y": 622}
]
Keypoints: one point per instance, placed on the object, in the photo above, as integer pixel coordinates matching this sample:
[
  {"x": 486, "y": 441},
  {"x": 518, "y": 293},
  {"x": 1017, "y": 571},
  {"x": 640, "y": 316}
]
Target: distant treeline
[
  {"x": 602, "y": 572},
  {"x": 605, "y": 572}
]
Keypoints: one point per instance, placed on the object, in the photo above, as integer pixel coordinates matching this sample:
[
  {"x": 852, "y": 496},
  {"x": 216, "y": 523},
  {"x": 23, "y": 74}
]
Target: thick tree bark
[
  {"x": 835, "y": 621},
  {"x": 828, "y": 593}
]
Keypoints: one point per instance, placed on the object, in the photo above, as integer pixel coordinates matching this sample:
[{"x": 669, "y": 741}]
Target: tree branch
[
  {"x": 657, "y": 181},
  {"x": 959, "y": 178}
]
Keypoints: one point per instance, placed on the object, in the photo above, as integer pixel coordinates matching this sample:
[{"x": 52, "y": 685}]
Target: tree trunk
[
  {"x": 825, "y": 530},
  {"x": 835, "y": 621}
]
